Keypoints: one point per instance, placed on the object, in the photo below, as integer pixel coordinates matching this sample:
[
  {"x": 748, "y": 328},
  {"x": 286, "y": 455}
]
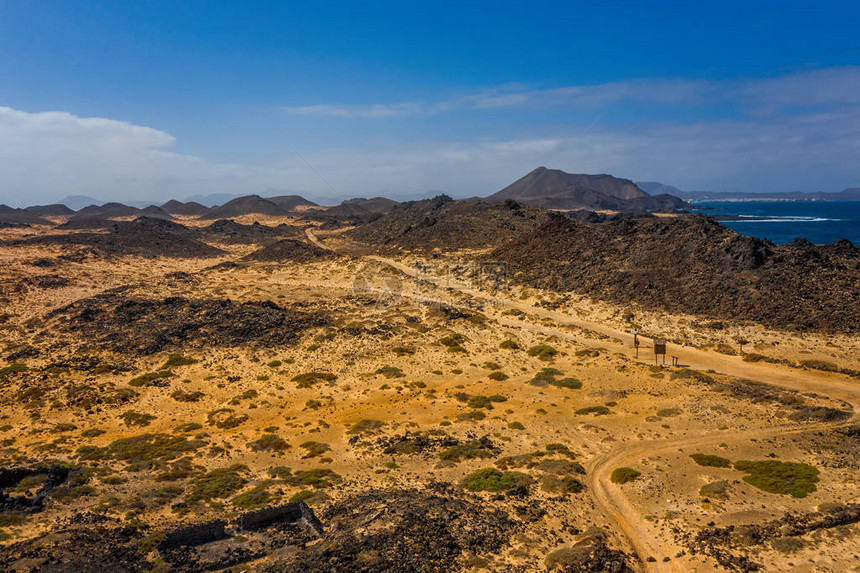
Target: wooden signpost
[{"x": 659, "y": 348}]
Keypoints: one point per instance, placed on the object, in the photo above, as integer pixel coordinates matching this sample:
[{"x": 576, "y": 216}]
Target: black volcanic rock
[
  {"x": 248, "y": 205},
  {"x": 691, "y": 264},
  {"x": 290, "y": 250},
  {"x": 555, "y": 189},
  {"x": 144, "y": 236},
  {"x": 230, "y": 232},
  {"x": 449, "y": 225}
]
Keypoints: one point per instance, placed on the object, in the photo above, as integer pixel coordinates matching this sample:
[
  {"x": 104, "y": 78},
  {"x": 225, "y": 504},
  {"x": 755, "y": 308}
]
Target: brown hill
[
  {"x": 555, "y": 189},
  {"x": 448, "y": 225},
  {"x": 693, "y": 265}
]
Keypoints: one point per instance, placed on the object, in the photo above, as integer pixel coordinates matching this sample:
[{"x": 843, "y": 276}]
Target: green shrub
[
  {"x": 596, "y": 410},
  {"x": 390, "y": 372},
  {"x": 590, "y": 352},
  {"x": 308, "y": 379},
  {"x": 219, "y": 483},
  {"x": 452, "y": 340},
  {"x": 14, "y": 368},
  {"x": 150, "y": 377},
  {"x": 471, "y": 450},
  {"x": 773, "y": 476},
  {"x": 669, "y": 412},
  {"x": 365, "y": 427},
  {"x": 187, "y": 427},
  {"x": 320, "y": 478},
  {"x": 274, "y": 364},
  {"x": 269, "y": 443},
  {"x": 254, "y": 498},
  {"x": 819, "y": 365},
  {"x": 516, "y": 426},
  {"x": 225, "y": 418},
  {"x": 554, "y": 484},
  {"x": 143, "y": 448},
  {"x": 711, "y": 461},
  {"x": 480, "y": 402},
  {"x": 543, "y": 352},
  {"x": 183, "y": 396},
  {"x": 624, "y": 475},
  {"x": 132, "y": 418},
  {"x": 92, "y": 433},
  {"x": 497, "y": 398},
  {"x": 498, "y": 376},
  {"x": 509, "y": 345},
  {"x": 174, "y": 360},
  {"x": 491, "y": 479},
  {"x": 753, "y": 357},
  {"x": 402, "y": 350},
  {"x": 314, "y": 449},
  {"x": 569, "y": 383}
]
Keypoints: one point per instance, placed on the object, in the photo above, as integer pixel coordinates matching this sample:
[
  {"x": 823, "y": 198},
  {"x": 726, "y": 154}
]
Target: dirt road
[{"x": 609, "y": 497}]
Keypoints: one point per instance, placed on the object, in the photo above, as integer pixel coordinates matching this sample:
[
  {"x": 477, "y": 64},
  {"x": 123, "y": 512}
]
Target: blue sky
[{"x": 151, "y": 100}]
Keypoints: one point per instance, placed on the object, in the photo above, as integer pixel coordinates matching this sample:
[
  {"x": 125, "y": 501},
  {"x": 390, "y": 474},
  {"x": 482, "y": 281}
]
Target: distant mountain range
[
  {"x": 851, "y": 194},
  {"x": 555, "y": 189}
]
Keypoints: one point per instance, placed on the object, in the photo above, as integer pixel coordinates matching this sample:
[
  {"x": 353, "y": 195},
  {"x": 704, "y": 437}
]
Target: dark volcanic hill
[
  {"x": 353, "y": 211},
  {"x": 290, "y": 202},
  {"x": 56, "y": 210},
  {"x": 290, "y": 250},
  {"x": 555, "y": 189},
  {"x": 693, "y": 265},
  {"x": 248, "y": 205},
  {"x": 448, "y": 225},
  {"x": 11, "y": 217},
  {"x": 108, "y": 210},
  {"x": 175, "y": 207},
  {"x": 144, "y": 236}
]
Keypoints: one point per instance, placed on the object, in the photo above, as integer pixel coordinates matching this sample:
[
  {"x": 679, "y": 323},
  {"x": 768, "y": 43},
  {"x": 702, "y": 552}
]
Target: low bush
[
  {"x": 596, "y": 410},
  {"x": 269, "y": 443},
  {"x": 308, "y": 379},
  {"x": 314, "y": 449},
  {"x": 509, "y": 345},
  {"x": 183, "y": 396},
  {"x": 390, "y": 372},
  {"x": 132, "y": 418},
  {"x": 151, "y": 378},
  {"x": 498, "y": 376},
  {"x": 624, "y": 475},
  {"x": 543, "y": 352},
  {"x": 174, "y": 360},
  {"x": 491, "y": 479},
  {"x": 569, "y": 383},
  {"x": 365, "y": 427},
  {"x": 218, "y": 483},
  {"x": 711, "y": 461},
  {"x": 786, "y": 478}
]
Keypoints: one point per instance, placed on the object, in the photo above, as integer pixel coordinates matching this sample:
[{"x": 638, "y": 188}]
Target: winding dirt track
[{"x": 609, "y": 497}]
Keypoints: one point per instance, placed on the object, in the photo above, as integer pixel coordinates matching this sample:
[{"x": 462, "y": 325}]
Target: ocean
[{"x": 818, "y": 222}]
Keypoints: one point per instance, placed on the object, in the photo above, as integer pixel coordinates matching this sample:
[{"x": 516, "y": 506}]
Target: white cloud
[{"x": 44, "y": 156}]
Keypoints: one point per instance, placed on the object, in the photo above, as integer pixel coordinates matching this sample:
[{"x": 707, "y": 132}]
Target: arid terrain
[{"x": 437, "y": 386}]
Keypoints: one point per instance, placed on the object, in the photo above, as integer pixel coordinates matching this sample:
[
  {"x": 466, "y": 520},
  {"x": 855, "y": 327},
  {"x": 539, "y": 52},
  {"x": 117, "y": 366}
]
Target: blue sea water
[{"x": 816, "y": 221}]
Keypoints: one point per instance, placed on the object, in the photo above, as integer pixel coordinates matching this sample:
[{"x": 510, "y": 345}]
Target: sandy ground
[{"x": 656, "y": 418}]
